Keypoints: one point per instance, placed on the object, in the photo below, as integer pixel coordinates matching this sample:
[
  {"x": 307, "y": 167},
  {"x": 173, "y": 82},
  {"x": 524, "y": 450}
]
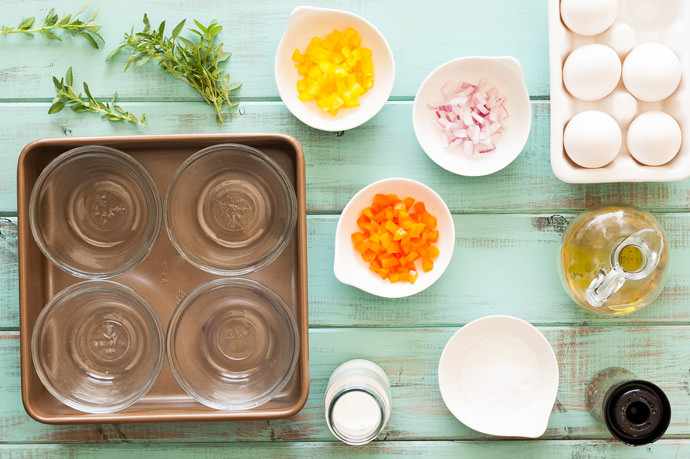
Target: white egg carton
[{"x": 638, "y": 21}]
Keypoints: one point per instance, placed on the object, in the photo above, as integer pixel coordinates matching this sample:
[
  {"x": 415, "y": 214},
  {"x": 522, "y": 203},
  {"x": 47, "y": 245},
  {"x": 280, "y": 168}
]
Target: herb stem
[
  {"x": 197, "y": 64},
  {"x": 67, "y": 97},
  {"x": 52, "y": 22}
]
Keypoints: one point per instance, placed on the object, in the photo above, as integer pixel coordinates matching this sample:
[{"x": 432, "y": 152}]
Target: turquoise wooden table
[{"x": 508, "y": 230}]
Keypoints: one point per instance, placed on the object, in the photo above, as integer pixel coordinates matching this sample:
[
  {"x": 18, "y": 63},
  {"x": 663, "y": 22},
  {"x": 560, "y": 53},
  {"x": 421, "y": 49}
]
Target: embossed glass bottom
[
  {"x": 95, "y": 212},
  {"x": 98, "y": 346},
  {"x": 233, "y": 344},
  {"x": 230, "y": 209}
]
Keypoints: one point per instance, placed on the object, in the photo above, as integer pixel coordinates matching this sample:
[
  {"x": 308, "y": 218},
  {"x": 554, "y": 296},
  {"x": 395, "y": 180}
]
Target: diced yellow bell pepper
[{"x": 336, "y": 71}]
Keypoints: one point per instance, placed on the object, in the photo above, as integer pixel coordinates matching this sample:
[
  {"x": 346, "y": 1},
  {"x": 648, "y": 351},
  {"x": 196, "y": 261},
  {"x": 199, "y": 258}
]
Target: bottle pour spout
[{"x": 643, "y": 250}]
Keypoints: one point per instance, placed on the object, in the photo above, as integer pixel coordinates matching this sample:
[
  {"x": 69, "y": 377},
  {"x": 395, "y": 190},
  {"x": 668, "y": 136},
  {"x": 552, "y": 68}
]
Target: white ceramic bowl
[
  {"x": 503, "y": 73},
  {"x": 305, "y": 23},
  {"x": 351, "y": 269},
  {"x": 498, "y": 375}
]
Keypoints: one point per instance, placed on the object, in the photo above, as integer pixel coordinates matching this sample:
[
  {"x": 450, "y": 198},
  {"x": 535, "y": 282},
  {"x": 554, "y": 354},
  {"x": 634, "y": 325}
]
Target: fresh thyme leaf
[
  {"x": 67, "y": 97},
  {"x": 197, "y": 62},
  {"x": 52, "y": 22}
]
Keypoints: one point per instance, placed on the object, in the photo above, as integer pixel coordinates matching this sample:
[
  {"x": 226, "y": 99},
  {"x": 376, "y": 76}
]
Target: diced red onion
[{"x": 472, "y": 115}]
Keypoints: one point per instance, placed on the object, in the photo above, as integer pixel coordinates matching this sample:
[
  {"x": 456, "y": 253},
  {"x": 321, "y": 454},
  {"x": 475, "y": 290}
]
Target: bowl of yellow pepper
[{"x": 334, "y": 70}]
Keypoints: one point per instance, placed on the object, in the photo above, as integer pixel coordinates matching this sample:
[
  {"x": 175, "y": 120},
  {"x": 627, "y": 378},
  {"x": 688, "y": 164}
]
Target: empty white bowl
[
  {"x": 305, "y": 23},
  {"x": 351, "y": 269},
  {"x": 498, "y": 375},
  {"x": 503, "y": 73}
]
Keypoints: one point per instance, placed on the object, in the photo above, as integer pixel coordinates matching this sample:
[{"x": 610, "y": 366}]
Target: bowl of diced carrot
[
  {"x": 394, "y": 238},
  {"x": 334, "y": 70}
]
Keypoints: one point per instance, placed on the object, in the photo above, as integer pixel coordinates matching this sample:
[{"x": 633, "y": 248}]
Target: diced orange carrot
[
  {"x": 391, "y": 226},
  {"x": 395, "y": 234},
  {"x": 427, "y": 265},
  {"x": 389, "y": 262},
  {"x": 358, "y": 237}
]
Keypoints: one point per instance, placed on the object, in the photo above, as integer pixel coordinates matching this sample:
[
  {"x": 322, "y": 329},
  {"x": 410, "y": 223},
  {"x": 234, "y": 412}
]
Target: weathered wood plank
[
  {"x": 337, "y": 167},
  {"x": 252, "y": 30},
  {"x": 436, "y": 450},
  {"x": 410, "y": 358},
  {"x": 501, "y": 264},
  {"x": 9, "y": 277}
]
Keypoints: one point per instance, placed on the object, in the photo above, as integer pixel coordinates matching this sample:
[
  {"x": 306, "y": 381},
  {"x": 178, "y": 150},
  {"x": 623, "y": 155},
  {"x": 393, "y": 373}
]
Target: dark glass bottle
[{"x": 636, "y": 412}]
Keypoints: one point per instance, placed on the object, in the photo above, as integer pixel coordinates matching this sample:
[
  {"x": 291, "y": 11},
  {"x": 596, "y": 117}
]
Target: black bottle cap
[{"x": 636, "y": 412}]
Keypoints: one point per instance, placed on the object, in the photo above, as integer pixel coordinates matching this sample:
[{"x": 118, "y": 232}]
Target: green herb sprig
[
  {"x": 52, "y": 22},
  {"x": 67, "y": 97},
  {"x": 197, "y": 62}
]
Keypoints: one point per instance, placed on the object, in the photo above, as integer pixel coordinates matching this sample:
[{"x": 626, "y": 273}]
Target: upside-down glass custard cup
[
  {"x": 233, "y": 344},
  {"x": 230, "y": 209},
  {"x": 98, "y": 346},
  {"x": 95, "y": 212}
]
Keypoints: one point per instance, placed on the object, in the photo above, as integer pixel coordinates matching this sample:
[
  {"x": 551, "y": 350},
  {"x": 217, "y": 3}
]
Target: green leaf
[
  {"x": 178, "y": 28},
  {"x": 129, "y": 62},
  {"x": 51, "y": 19},
  {"x": 51, "y": 35},
  {"x": 82, "y": 8},
  {"x": 26, "y": 23},
  {"x": 56, "y": 107},
  {"x": 68, "y": 77},
  {"x": 143, "y": 60},
  {"x": 200, "y": 26},
  {"x": 86, "y": 90},
  {"x": 93, "y": 26},
  {"x": 65, "y": 19},
  {"x": 113, "y": 53},
  {"x": 57, "y": 84},
  {"x": 90, "y": 39}
]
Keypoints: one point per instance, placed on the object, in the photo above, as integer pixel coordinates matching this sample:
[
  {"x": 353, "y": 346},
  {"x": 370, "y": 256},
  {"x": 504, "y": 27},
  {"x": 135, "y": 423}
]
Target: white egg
[
  {"x": 651, "y": 72},
  {"x": 591, "y": 72},
  {"x": 592, "y": 139},
  {"x": 654, "y": 138},
  {"x": 589, "y": 17}
]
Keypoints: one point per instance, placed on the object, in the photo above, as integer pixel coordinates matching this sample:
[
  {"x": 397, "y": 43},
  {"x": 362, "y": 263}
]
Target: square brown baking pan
[{"x": 163, "y": 278}]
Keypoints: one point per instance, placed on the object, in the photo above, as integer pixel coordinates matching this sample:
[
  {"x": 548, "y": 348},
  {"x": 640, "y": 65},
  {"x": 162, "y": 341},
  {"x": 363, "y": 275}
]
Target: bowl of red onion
[{"x": 472, "y": 115}]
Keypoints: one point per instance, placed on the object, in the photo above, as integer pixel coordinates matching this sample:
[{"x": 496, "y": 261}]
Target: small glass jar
[
  {"x": 358, "y": 401},
  {"x": 636, "y": 412}
]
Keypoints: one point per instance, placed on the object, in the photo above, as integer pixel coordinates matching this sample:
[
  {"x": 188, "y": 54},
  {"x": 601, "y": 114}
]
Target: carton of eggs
[{"x": 617, "y": 85}]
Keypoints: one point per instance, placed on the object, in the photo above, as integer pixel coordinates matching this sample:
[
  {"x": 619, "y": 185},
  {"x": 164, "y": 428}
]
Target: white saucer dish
[
  {"x": 503, "y": 73},
  {"x": 351, "y": 269},
  {"x": 498, "y": 375},
  {"x": 305, "y": 23},
  {"x": 636, "y": 23}
]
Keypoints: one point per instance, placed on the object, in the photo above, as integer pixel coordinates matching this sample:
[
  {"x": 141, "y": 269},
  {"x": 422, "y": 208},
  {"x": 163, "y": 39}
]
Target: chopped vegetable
[
  {"x": 471, "y": 116},
  {"x": 394, "y": 235},
  {"x": 335, "y": 70}
]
